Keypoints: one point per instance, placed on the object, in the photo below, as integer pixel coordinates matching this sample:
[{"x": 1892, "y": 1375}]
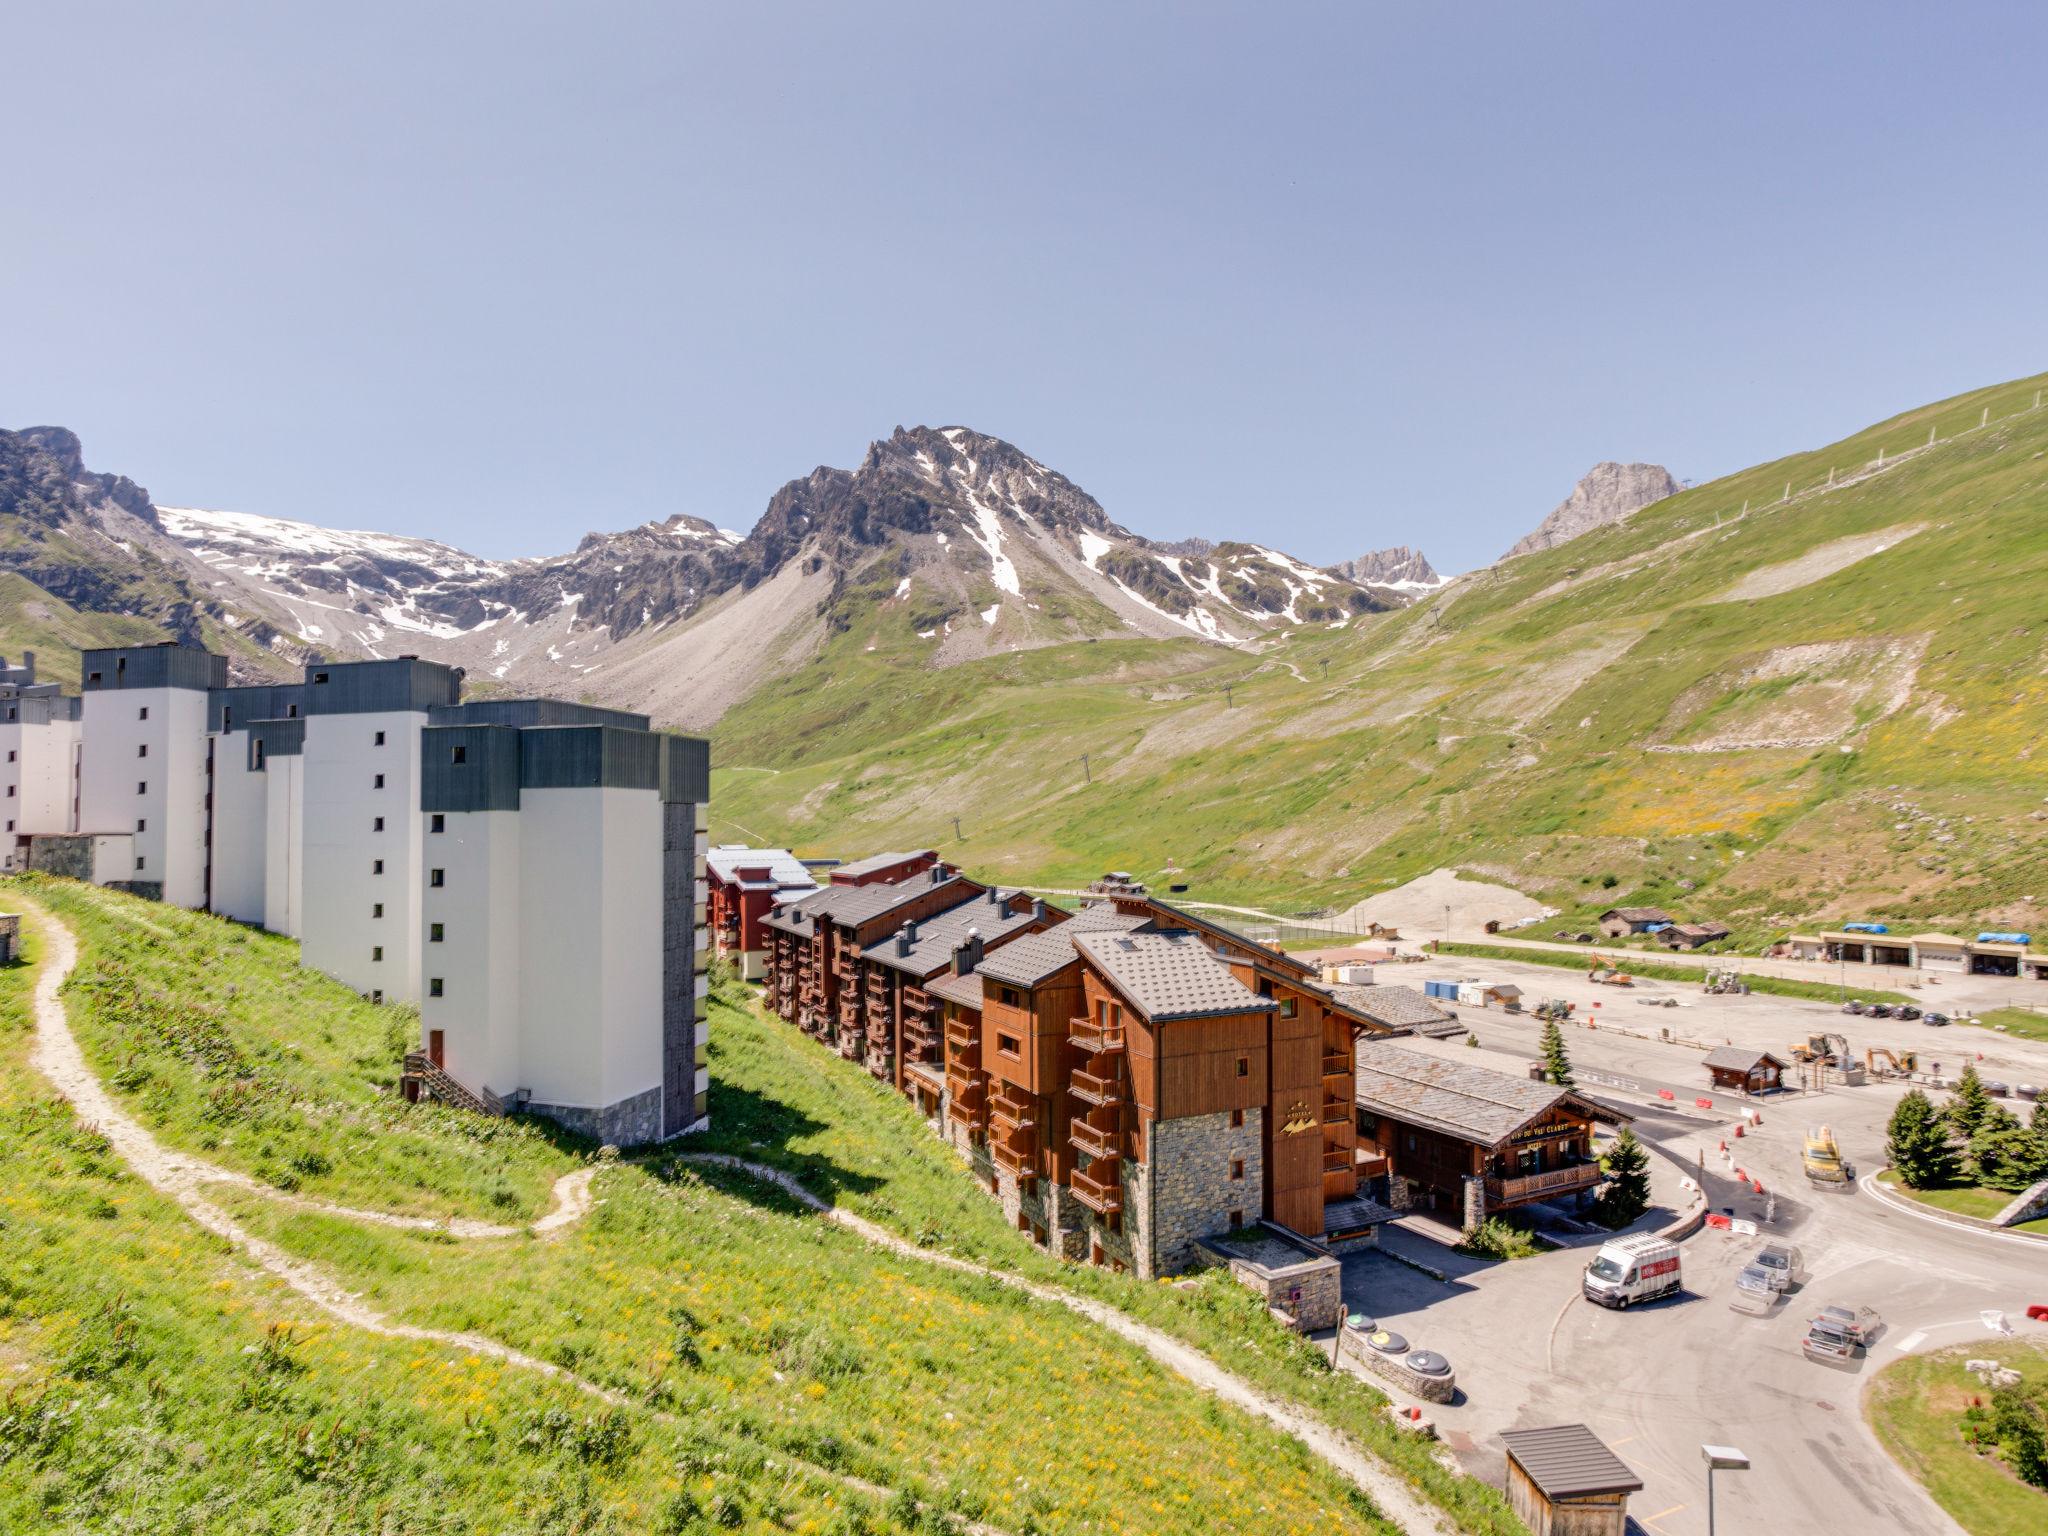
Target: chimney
[
  {"x": 967, "y": 956},
  {"x": 938, "y": 874},
  {"x": 905, "y": 937},
  {"x": 28, "y": 664},
  {"x": 1038, "y": 912},
  {"x": 994, "y": 896}
]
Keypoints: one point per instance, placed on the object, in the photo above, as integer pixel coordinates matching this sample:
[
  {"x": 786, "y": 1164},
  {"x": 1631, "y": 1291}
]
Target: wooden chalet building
[
  {"x": 1468, "y": 1140},
  {"x": 1743, "y": 1069},
  {"x": 1127, "y": 1080},
  {"x": 743, "y": 886}
]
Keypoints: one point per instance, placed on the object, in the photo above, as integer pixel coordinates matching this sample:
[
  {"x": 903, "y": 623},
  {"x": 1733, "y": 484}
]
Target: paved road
[{"x": 1657, "y": 1382}]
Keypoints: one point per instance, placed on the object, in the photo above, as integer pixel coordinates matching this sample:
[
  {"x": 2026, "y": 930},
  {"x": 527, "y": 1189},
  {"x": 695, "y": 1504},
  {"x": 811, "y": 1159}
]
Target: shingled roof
[
  {"x": 875, "y": 861},
  {"x": 1027, "y": 961},
  {"x": 1390, "y": 1007},
  {"x": 935, "y": 938},
  {"x": 1739, "y": 1058},
  {"x": 1170, "y": 976},
  {"x": 1471, "y": 1103},
  {"x": 1567, "y": 1461},
  {"x": 964, "y": 990}
]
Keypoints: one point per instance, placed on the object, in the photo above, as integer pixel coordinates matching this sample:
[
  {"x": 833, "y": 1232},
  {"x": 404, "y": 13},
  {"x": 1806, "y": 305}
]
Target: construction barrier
[
  {"x": 1666, "y": 1093},
  {"x": 1714, "y": 1219},
  {"x": 1703, "y": 1103},
  {"x": 1738, "y": 1130}
]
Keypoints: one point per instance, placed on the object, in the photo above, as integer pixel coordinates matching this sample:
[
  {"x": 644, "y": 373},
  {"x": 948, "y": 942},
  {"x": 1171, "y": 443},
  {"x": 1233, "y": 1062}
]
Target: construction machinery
[
  {"x": 1608, "y": 976},
  {"x": 1554, "y": 1009},
  {"x": 1726, "y": 982},
  {"x": 1829, "y": 1050},
  {"x": 1896, "y": 1063},
  {"x": 1821, "y": 1157}
]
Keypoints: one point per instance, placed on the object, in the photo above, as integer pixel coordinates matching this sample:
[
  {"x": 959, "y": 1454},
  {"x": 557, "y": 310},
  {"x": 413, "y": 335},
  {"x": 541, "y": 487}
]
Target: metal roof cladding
[{"x": 1569, "y": 1461}]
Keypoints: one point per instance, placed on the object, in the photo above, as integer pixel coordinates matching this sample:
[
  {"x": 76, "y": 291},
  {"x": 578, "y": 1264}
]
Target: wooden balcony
[
  {"x": 1016, "y": 1154},
  {"x": 1097, "y": 1140},
  {"x": 1099, "y": 1186},
  {"x": 969, "y": 1100},
  {"x": 921, "y": 1037},
  {"x": 1542, "y": 1186},
  {"x": 1336, "y": 1064},
  {"x": 1336, "y": 1159},
  {"x": 1010, "y": 1108},
  {"x": 1336, "y": 1112},
  {"x": 1102, "y": 1088},
  {"x": 964, "y": 1034},
  {"x": 1095, "y": 1037}
]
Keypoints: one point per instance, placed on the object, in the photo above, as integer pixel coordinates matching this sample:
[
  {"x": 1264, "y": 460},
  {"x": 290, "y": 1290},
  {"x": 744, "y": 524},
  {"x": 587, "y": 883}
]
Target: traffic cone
[{"x": 1738, "y": 1132}]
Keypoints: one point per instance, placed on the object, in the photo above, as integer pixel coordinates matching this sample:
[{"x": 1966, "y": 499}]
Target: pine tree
[
  {"x": 2007, "y": 1155},
  {"x": 1966, "y": 1111},
  {"x": 1917, "y": 1144},
  {"x": 1627, "y": 1194},
  {"x": 1557, "y": 1066}
]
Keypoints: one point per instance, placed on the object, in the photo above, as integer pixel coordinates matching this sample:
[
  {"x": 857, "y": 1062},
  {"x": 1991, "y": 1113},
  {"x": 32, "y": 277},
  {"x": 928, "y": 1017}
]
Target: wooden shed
[
  {"x": 1742, "y": 1069},
  {"x": 1564, "y": 1481}
]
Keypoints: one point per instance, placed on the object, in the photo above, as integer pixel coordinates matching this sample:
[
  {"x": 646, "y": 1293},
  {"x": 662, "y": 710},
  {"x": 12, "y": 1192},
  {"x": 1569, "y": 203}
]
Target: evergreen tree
[
  {"x": 1966, "y": 1111},
  {"x": 1627, "y": 1194},
  {"x": 2007, "y": 1155},
  {"x": 1557, "y": 1066},
  {"x": 1917, "y": 1144}
]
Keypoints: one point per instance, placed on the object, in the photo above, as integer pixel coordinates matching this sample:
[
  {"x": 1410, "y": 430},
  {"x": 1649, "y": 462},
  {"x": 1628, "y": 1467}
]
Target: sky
[{"x": 1332, "y": 277}]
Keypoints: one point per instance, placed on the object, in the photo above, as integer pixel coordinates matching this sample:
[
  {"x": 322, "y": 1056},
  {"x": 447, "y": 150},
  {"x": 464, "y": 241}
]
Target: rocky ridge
[{"x": 1606, "y": 493}]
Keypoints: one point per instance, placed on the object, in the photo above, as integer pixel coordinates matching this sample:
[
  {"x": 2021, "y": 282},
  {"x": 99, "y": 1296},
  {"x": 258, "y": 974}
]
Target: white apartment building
[
  {"x": 38, "y": 759},
  {"x": 142, "y": 762},
  {"x": 563, "y": 916},
  {"x": 530, "y": 871},
  {"x": 361, "y": 825}
]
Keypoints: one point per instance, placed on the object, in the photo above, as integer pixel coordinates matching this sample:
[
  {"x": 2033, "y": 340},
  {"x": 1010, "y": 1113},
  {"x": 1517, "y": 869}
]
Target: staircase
[{"x": 422, "y": 1079}]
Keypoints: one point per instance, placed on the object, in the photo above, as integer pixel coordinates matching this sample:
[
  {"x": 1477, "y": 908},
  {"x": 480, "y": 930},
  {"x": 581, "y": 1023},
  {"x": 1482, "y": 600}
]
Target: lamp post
[{"x": 1727, "y": 1459}]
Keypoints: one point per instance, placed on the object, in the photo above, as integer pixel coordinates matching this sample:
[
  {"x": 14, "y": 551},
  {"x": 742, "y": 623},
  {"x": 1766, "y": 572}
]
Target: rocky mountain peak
[
  {"x": 1607, "y": 493},
  {"x": 1402, "y": 568}
]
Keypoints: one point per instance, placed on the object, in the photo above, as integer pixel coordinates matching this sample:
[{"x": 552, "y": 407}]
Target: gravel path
[
  {"x": 181, "y": 1177},
  {"x": 1387, "y": 1490}
]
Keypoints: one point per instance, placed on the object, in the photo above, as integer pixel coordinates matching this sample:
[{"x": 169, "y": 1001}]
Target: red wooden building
[{"x": 743, "y": 885}]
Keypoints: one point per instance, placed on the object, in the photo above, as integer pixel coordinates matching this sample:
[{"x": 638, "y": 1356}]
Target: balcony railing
[
  {"x": 1336, "y": 1159},
  {"x": 1095, "y": 1140},
  {"x": 1539, "y": 1186},
  {"x": 1011, "y": 1109},
  {"x": 1099, "y": 1187},
  {"x": 963, "y": 1034},
  {"x": 1336, "y": 1112},
  {"x": 1016, "y": 1154},
  {"x": 1336, "y": 1064},
  {"x": 1095, "y": 1037},
  {"x": 1099, "y": 1088}
]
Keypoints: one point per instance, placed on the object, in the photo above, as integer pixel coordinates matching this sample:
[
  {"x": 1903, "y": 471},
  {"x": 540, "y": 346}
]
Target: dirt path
[
  {"x": 1388, "y": 1492},
  {"x": 180, "y": 1178}
]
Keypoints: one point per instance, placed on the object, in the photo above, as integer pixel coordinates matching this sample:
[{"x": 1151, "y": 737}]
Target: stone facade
[
  {"x": 1475, "y": 1203},
  {"x": 1393, "y": 1368},
  {"x": 1300, "y": 1283},
  {"x": 631, "y": 1122},
  {"x": 1189, "y": 1193}
]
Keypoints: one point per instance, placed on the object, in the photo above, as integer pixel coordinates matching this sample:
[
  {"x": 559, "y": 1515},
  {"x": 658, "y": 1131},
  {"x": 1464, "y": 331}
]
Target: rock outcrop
[{"x": 1607, "y": 493}]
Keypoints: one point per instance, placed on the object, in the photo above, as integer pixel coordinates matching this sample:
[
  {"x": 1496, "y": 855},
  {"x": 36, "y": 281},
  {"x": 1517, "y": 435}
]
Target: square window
[
  {"x": 380, "y": 782},
  {"x": 1010, "y": 997},
  {"x": 142, "y": 750},
  {"x": 10, "y": 826},
  {"x": 139, "y": 861},
  {"x": 380, "y": 738},
  {"x": 1289, "y": 1006},
  {"x": 10, "y": 753},
  {"x": 376, "y": 951},
  {"x": 439, "y": 823},
  {"x": 1236, "y": 1119},
  {"x": 377, "y": 824},
  {"x": 377, "y": 909},
  {"x": 433, "y": 986},
  {"x": 142, "y": 786},
  {"x": 291, "y": 711},
  {"x": 319, "y": 677},
  {"x": 376, "y": 994},
  {"x": 376, "y": 866},
  {"x": 93, "y": 678},
  {"x": 1236, "y": 1220},
  {"x": 458, "y": 754},
  {"x": 142, "y": 823},
  {"x": 434, "y": 933},
  {"x": 436, "y": 877},
  {"x": 1244, "y": 1066},
  {"x": 1237, "y": 1168},
  {"x": 1009, "y": 1045}
]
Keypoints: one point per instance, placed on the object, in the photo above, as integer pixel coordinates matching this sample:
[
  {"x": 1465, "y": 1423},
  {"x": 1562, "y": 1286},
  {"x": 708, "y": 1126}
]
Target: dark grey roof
[
  {"x": 1473, "y": 1103},
  {"x": 858, "y": 904},
  {"x": 1390, "y": 1007},
  {"x": 937, "y": 937},
  {"x": 1279, "y": 959},
  {"x": 965, "y": 990},
  {"x": 797, "y": 916},
  {"x": 875, "y": 861},
  {"x": 1103, "y": 917},
  {"x": 1569, "y": 1461},
  {"x": 1170, "y": 976},
  {"x": 1738, "y": 1058},
  {"x": 1027, "y": 961}
]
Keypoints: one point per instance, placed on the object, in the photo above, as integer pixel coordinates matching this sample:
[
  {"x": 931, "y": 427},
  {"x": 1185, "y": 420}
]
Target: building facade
[
  {"x": 530, "y": 872},
  {"x": 38, "y": 759},
  {"x": 746, "y": 884}
]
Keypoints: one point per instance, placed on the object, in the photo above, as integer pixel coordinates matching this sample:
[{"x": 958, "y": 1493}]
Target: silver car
[
  {"x": 1862, "y": 1324},
  {"x": 1781, "y": 1261}
]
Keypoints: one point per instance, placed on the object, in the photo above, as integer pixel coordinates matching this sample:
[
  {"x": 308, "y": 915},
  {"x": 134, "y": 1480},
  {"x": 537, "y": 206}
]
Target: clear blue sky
[{"x": 1330, "y": 276}]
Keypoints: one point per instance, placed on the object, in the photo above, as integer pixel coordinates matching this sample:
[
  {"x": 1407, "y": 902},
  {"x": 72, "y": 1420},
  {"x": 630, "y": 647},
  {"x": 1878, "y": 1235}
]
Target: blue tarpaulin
[
  {"x": 2004, "y": 938},
  {"x": 1866, "y": 928}
]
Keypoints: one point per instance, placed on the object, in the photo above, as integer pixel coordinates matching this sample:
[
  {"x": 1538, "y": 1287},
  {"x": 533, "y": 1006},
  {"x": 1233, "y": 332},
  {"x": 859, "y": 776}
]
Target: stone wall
[
  {"x": 1431, "y": 1389},
  {"x": 1190, "y": 1193},
  {"x": 1302, "y": 1285},
  {"x": 632, "y": 1122},
  {"x": 2025, "y": 1207}
]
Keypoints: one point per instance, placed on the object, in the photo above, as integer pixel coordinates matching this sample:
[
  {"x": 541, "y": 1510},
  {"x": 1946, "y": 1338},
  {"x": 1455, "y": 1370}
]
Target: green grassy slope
[
  {"x": 1506, "y": 724},
  {"x": 751, "y": 1340}
]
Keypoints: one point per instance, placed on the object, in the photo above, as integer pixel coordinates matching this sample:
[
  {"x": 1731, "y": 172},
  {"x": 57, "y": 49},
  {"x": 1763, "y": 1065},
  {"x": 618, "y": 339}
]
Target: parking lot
[{"x": 1658, "y": 1381}]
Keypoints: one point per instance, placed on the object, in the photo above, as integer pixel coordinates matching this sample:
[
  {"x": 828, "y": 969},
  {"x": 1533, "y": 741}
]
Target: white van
[{"x": 1632, "y": 1269}]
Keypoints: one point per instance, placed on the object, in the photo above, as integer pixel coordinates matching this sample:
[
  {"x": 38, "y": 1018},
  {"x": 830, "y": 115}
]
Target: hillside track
[{"x": 182, "y": 1178}]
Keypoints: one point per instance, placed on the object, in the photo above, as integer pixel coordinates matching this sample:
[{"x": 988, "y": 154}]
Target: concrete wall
[
  {"x": 37, "y": 760},
  {"x": 241, "y": 826},
  {"x": 143, "y": 773},
  {"x": 284, "y": 861},
  {"x": 342, "y": 888}
]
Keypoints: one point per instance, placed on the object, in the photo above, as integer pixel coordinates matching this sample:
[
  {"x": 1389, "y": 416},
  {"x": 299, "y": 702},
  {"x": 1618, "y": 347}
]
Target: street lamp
[{"x": 1727, "y": 1459}]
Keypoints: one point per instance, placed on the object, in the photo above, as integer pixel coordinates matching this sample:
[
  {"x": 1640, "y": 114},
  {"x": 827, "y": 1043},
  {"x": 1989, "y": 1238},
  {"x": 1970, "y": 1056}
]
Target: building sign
[
  {"x": 1546, "y": 1130},
  {"x": 1299, "y": 1118}
]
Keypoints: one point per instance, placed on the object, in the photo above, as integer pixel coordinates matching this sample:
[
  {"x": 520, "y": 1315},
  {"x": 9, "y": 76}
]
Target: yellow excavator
[
  {"x": 1897, "y": 1063},
  {"x": 1608, "y": 976},
  {"x": 1822, "y": 1159}
]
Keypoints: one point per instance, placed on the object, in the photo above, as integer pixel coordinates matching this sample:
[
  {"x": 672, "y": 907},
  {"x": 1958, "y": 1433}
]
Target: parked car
[
  {"x": 1782, "y": 1262},
  {"x": 1862, "y": 1324},
  {"x": 1934, "y": 1018},
  {"x": 1907, "y": 1011},
  {"x": 1852, "y": 1006},
  {"x": 1754, "y": 1292}
]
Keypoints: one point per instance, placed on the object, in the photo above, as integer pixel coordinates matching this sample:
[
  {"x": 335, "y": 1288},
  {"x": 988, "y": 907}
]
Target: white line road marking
[{"x": 1911, "y": 1341}]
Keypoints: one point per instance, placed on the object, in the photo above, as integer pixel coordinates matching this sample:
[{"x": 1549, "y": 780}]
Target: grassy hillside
[
  {"x": 762, "y": 1353},
  {"x": 1808, "y": 690}
]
